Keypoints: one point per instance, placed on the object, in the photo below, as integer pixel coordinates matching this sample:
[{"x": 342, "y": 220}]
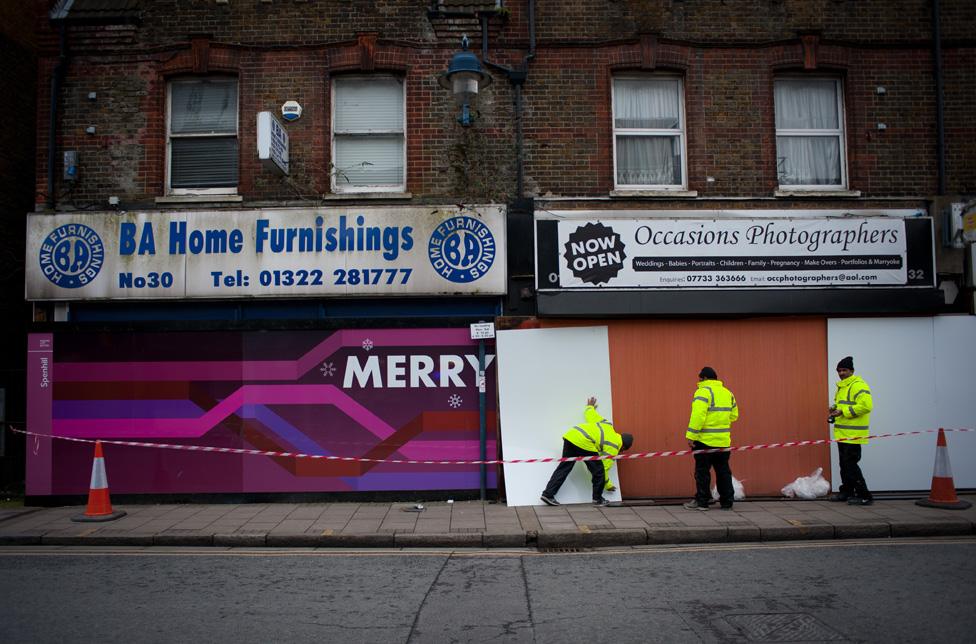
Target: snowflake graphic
[
  {"x": 328, "y": 369},
  {"x": 368, "y": 344},
  {"x": 454, "y": 401}
]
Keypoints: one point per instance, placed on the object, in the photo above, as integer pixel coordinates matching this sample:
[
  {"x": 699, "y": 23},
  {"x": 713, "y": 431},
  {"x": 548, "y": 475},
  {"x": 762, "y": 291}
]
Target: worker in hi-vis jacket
[
  {"x": 851, "y": 417},
  {"x": 713, "y": 410},
  {"x": 595, "y": 435}
]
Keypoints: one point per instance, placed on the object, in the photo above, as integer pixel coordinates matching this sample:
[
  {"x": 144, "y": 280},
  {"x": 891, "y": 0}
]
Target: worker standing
[
  {"x": 851, "y": 416},
  {"x": 713, "y": 410},
  {"x": 595, "y": 435}
]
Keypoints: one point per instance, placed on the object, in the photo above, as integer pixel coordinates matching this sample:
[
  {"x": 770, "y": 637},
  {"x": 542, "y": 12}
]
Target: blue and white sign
[
  {"x": 71, "y": 256},
  {"x": 293, "y": 252},
  {"x": 462, "y": 249},
  {"x": 272, "y": 143},
  {"x": 291, "y": 111}
]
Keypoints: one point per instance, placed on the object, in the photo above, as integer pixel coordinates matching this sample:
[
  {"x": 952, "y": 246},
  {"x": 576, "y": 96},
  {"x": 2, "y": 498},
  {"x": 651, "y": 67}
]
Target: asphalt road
[{"x": 871, "y": 591}]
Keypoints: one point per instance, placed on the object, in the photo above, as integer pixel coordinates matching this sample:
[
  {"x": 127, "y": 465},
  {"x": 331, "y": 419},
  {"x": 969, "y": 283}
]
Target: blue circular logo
[
  {"x": 461, "y": 249},
  {"x": 71, "y": 255}
]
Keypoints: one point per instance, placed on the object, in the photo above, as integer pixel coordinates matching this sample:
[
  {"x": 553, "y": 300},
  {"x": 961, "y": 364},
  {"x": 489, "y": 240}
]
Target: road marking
[{"x": 676, "y": 549}]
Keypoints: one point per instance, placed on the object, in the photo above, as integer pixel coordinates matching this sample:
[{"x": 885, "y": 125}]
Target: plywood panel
[
  {"x": 775, "y": 367},
  {"x": 955, "y": 404},
  {"x": 544, "y": 379},
  {"x": 920, "y": 373}
]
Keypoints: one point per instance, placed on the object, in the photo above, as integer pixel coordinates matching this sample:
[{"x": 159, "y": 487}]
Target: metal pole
[{"x": 483, "y": 434}]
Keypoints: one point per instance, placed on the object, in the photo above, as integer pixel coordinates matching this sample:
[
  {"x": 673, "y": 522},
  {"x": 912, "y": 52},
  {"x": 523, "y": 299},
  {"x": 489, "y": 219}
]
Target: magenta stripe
[{"x": 246, "y": 395}]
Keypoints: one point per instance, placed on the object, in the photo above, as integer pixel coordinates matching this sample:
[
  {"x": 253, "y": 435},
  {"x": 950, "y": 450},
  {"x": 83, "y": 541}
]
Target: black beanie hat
[
  {"x": 628, "y": 440},
  {"x": 846, "y": 363},
  {"x": 708, "y": 373}
]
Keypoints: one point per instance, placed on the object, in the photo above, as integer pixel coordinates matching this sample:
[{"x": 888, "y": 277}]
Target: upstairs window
[
  {"x": 648, "y": 133},
  {"x": 202, "y": 144},
  {"x": 368, "y": 135},
  {"x": 810, "y": 152}
]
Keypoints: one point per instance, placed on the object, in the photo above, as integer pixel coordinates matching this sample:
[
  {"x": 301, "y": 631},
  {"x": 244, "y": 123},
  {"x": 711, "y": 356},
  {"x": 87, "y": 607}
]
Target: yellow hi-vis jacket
[
  {"x": 596, "y": 434},
  {"x": 713, "y": 410},
  {"x": 853, "y": 399}
]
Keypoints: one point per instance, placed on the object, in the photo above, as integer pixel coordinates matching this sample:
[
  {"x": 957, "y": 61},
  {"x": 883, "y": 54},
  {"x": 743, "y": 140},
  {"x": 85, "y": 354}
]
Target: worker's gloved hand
[{"x": 610, "y": 487}]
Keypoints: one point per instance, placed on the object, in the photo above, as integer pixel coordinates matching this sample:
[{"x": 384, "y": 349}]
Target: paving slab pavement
[{"x": 476, "y": 524}]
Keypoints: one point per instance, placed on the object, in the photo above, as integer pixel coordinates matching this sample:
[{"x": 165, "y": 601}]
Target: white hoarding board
[
  {"x": 542, "y": 391},
  {"x": 919, "y": 371},
  {"x": 272, "y": 143},
  {"x": 400, "y": 251},
  {"x": 697, "y": 253}
]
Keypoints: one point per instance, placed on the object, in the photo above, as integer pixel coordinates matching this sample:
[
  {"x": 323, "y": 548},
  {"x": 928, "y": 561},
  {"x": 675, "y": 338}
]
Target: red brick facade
[{"x": 728, "y": 54}]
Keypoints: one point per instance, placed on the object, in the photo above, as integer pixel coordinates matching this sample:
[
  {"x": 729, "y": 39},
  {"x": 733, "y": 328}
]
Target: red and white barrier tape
[{"x": 548, "y": 459}]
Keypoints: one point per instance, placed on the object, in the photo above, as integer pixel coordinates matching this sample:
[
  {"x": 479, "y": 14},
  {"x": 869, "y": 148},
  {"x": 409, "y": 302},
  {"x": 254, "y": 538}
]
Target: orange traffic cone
[
  {"x": 99, "y": 504},
  {"x": 943, "y": 494}
]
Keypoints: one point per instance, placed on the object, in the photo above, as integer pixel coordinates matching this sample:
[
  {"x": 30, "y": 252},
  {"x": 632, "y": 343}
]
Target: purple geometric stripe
[
  {"x": 255, "y": 369},
  {"x": 246, "y": 395},
  {"x": 125, "y": 408},
  {"x": 299, "y": 442}
]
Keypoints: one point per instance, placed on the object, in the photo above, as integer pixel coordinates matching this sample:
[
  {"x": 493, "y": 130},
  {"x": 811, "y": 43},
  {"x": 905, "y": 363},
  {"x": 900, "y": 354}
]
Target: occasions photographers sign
[{"x": 733, "y": 253}]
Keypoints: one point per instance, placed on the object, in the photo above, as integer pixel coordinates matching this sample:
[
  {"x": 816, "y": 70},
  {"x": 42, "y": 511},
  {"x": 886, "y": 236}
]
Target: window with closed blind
[
  {"x": 202, "y": 146},
  {"x": 368, "y": 134}
]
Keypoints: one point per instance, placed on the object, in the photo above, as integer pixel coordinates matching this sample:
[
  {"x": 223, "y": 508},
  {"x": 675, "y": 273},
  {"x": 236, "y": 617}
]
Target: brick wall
[{"x": 728, "y": 54}]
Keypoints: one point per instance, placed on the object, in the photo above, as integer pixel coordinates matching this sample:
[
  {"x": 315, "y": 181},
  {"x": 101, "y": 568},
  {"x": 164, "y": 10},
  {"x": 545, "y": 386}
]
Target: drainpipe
[
  {"x": 56, "y": 78},
  {"x": 939, "y": 99},
  {"x": 517, "y": 79}
]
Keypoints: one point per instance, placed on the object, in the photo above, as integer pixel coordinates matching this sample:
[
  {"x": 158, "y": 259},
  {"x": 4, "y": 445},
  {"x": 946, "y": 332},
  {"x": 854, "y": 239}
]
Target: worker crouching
[{"x": 595, "y": 435}]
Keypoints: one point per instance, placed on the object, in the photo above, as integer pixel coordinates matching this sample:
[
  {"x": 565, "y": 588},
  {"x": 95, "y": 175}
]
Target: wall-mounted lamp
[{"x": 464, "y": 78}]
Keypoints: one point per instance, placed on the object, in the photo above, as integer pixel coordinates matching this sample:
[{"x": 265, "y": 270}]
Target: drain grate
[
  {"x": 783, "y": 627},
  {"x": 562, "y": 549}
]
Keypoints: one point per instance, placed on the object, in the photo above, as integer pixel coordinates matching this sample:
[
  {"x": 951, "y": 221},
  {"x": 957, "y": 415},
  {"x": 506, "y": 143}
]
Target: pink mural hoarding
[{"x": 381, "y": 394}]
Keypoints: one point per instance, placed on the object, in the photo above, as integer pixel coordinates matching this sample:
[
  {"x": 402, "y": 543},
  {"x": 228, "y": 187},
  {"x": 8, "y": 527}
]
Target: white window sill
[
  {"x": 654, "y": 193},
  {"x": 178, "y": 199},
  {"x": 817, "y": 193},
  {"x": 349, "y": 196}
]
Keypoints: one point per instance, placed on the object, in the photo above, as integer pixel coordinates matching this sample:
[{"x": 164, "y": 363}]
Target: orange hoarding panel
[{"x": 775, "y": 368}]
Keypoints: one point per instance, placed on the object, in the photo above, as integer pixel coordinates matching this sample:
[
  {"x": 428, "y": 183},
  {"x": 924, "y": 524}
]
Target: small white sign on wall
[
  {"x": 482, "y": 330},
  {"x": 272, "y": 143}
]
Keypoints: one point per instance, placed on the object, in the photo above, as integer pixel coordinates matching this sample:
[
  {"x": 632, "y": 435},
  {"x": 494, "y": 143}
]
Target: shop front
[
  {"x": 749, "y": 293},
  {"x": 273, "y": 406}
]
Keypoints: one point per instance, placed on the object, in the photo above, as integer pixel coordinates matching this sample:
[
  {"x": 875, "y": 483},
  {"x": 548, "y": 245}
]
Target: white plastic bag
[
  {"x": 808, "y": 487},
  {"x": 739, "y": 492}
]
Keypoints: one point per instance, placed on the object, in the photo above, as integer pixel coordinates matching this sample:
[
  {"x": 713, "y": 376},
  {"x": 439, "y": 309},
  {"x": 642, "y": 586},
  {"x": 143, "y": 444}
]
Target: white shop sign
[
  {"x": 731, "y": 253},
  {"x": 308, "y": 252},
  {"x": 272, "y": 143}
]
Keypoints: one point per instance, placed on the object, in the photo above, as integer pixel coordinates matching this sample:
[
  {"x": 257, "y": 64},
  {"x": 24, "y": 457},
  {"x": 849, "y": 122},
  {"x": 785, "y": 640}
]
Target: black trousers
[
  {"x": 703, "y": 476},
  {"x": 563, "y": 469},
  {"x": 852, "y": 481}
]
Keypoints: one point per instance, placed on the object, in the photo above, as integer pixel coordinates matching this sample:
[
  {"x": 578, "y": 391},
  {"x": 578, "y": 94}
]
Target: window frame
[
  {"x": 680, "y": 132},
  {"x": 840, "y": 134},
  {"x": 226, "y": 190},
  {"x": 348, "y": 188}
]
